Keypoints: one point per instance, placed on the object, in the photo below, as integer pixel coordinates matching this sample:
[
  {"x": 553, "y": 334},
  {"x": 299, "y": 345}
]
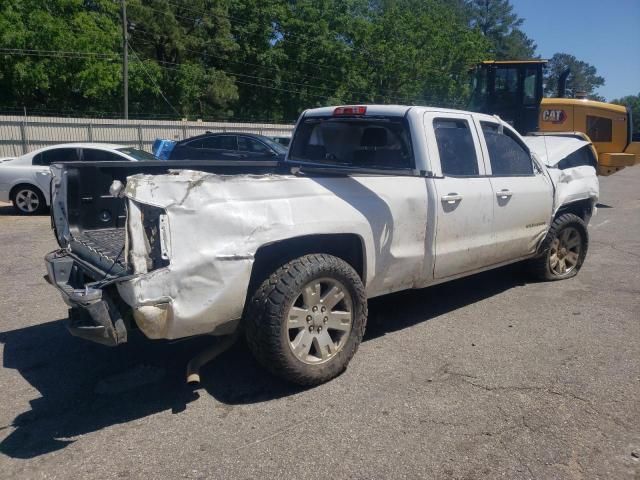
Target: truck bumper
[{"x": 93, "y": 315}]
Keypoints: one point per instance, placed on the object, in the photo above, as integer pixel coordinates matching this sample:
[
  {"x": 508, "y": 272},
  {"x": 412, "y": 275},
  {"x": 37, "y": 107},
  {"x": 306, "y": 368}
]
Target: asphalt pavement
[{"x": 492, "y": 376}]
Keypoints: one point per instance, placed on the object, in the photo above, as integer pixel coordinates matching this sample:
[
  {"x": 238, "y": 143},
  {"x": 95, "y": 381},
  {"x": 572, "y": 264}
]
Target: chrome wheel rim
[
  {"x": 319, "y": 320},
  {"x": 565, "y": 251},
  {"x": 27, "y": 200}
]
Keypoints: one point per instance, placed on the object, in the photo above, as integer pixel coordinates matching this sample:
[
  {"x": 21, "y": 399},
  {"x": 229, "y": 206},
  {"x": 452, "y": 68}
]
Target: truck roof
[
  {"x": 402, "y": 110},
  {"x": 395, "y": 110}
]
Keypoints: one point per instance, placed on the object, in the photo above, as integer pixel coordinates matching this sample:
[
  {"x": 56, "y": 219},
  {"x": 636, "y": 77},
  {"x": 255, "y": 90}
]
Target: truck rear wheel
[
  {"x": 563, "y": 251},
  {"x": 306, "y": 321}
]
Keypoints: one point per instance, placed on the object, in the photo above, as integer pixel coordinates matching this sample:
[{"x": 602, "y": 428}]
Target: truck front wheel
[
  {"x": 307, "y": 319},
  {"x": 564, "y": 249}
]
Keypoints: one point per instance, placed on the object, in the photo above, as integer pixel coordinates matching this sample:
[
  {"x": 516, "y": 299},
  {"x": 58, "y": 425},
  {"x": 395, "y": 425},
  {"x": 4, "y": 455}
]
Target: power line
[
  {"x": 337, "y": 84},
  {"x": 58, "y": 53},
  {"x": 392, "y": 94},
  {"x": 152, "y": 79},
  {"x": 255, "y": 84},
  {"x": 256, "y": 77},
  {"x": 317, "y": 65},
  {"x": 203, "y": 13},
  {"x": 225, "y": 59},
  {"x": 85, "y": 54}
]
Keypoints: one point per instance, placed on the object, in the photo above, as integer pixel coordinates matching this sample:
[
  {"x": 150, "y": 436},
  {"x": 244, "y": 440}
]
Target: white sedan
[{"x": 24, "y": 180}]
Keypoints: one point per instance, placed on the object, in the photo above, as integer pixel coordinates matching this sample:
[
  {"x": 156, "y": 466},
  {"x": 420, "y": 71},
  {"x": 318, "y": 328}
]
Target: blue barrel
[{"x": 162, "y": 148}]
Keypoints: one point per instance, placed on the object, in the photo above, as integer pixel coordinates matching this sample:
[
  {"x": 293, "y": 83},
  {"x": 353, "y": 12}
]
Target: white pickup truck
[{"x": 370, "y": 200}]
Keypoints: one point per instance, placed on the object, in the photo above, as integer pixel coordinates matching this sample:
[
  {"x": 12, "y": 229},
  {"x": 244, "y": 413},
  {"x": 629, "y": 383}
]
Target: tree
[
  {"x": 633, "y": 102},
  {"x": 38, "y": 68},
  {"x": 500, "y": 25},
  {"x": 245, "y": 59},
  {"x": 190, "y": 45},
  {"x": 583, "y": 77}
]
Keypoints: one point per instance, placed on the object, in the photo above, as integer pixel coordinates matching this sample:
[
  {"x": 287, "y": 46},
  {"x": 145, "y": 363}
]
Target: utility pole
[{"x": 125, "y": 59}]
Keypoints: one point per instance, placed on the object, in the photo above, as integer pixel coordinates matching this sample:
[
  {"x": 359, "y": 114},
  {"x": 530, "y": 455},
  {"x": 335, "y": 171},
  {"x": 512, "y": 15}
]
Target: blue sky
[{"x": 605, "y": 34}]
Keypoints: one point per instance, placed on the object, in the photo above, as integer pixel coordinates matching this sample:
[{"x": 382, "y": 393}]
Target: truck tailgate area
[{"x": 106, "y": 242}]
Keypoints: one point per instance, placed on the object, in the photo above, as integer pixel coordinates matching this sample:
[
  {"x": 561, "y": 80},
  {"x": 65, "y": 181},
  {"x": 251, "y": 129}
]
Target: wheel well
[
  {"x": 581, "y": 208},
  {"x": 20, "y": 185},
  {"x": 268, "y": 258}
]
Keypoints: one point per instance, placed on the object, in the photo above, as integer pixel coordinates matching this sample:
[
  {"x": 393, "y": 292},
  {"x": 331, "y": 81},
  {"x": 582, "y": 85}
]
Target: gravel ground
[{"x": 486, "y": 377}]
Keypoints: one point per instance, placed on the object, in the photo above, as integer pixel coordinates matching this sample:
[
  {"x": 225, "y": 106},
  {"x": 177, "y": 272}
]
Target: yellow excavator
[{"x": 513, "y": 90}]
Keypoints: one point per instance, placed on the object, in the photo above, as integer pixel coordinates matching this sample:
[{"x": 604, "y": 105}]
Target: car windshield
[
  {"x": 137, "y": 154},
  {"x": 369, "y": 142},
  {"x": 278, "y": 148}
]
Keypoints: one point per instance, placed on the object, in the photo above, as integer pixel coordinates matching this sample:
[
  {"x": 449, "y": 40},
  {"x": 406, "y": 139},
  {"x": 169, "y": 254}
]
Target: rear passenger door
[
  {"x": 522, "y": 194},
  {"x": 464, "y": 210},
  {"x": 44, "y": 159}
]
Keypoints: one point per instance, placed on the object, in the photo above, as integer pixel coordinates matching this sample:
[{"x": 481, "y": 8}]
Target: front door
[
  {"x": 464, "y": 209},
  {"x": 522, "y": 194}
]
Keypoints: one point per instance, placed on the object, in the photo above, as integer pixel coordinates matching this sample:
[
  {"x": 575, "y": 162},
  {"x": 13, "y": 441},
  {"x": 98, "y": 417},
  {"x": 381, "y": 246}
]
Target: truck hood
[{"x": 551, "y": 150}]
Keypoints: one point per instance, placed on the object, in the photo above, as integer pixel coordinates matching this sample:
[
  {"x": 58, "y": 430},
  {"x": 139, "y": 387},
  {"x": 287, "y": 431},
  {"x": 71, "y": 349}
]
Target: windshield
[
  {"x": 137, "y": 154},
  {"x": 373, "y": 142},
  {"x": 277, "y": 147}
]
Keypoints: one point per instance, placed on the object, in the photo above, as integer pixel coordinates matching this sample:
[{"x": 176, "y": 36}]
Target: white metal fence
[{"x": 22, "y": 134}]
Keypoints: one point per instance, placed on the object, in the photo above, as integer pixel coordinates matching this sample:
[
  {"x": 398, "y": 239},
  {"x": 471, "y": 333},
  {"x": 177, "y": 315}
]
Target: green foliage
[
  {"x": 59, "y": 80},
  {"x": 500, "y": 25},
  {"x": 633, "y": 102},
  {"x": 583, "y": 77},
  {"x": 249, "y": 59}
]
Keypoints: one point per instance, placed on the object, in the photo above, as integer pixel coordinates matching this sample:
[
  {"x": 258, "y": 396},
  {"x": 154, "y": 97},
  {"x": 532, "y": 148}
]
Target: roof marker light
[{"x": 350, "y": 110}]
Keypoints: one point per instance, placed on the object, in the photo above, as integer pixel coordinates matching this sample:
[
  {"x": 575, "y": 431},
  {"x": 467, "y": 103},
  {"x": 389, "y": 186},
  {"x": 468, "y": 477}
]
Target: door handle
[
  {"x": 451, "y": 198},
  {"x": 504, "y": 193}
]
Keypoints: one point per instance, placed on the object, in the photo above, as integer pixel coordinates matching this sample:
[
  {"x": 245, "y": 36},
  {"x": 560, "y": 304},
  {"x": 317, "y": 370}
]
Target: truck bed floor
[{"x": 108, "y": 242}]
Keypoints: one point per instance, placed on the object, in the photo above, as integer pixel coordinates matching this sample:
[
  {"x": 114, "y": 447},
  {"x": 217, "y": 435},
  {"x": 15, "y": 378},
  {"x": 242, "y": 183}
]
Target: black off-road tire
[
  {"x": 265, "y": 318},
  {"x": 540, "y": 266}
]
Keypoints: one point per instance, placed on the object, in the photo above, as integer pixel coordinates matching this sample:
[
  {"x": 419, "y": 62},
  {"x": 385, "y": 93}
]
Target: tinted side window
[
  {"x": 93, "y": 155},
  {"x": 222, "y": 142},
  {"x": 59, "y": 155},
  {"x": 248, "y": 144},
  {"x": 599, "y": 129},
  {"x": 455, "y": 145},
  {"x": 506, "y": 154},
  {"x": 37, "y": 160},
  {"x": 579, "y": 158}
]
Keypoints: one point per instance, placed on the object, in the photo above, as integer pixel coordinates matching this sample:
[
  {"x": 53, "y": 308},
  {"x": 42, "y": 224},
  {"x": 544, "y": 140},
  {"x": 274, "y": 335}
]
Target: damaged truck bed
[{"x": 370, "y": 200}]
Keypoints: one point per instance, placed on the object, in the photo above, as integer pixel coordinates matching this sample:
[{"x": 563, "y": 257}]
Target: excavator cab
[{"x": 510, "y": 89}]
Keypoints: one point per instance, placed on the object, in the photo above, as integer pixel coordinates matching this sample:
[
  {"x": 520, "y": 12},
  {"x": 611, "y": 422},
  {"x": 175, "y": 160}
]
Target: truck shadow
[{"x": 84, "y": 387}]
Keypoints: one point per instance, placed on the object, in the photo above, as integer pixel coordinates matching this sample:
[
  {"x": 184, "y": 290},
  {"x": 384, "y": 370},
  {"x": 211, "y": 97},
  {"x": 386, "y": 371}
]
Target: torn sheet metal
[
  {"x": 214, "y": 225},
  {"x": 574, "y": 184},
  {"x": 571, "y": 184},
  {"x": 551, "y": 150}
]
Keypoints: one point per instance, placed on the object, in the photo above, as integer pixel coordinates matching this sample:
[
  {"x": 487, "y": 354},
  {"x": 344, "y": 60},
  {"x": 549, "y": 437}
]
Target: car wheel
[
  {"x": 564, "y": 249},
  {"x": 28, "y": 200},
  {"x": 306, "y": 320}
]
